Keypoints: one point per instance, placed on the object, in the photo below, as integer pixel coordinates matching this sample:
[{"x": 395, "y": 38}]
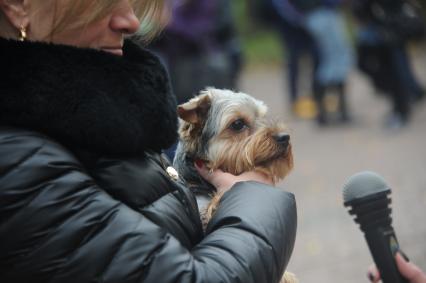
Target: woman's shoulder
[
  {"x": 17, "y": 143},
  {"x": 141, "y": 182},
  {"x": 7, "y": 133},
  {"x": 31, "y": 159}
]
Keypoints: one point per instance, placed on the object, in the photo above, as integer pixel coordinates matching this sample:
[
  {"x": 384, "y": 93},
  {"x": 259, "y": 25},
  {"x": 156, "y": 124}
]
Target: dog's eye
[{"x": 238, "y": 125}]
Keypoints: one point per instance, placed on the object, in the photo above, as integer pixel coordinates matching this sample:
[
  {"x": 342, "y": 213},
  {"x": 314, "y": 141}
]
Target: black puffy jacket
[{"x": 84, "y": 196}]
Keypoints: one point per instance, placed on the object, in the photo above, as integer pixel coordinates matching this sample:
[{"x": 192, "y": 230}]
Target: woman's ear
[{"x": 16, "y": 11}]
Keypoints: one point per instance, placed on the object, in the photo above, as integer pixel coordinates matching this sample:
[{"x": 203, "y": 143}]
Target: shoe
[
  {"x": 419, "y": 96},
  {"x": 331, "y": 103},
  {"x": 345, "y": 119},
  {"x": 395, "y": 121},
  {"x": 322, "y": 120},
  {"x": 304, "y": 108}
]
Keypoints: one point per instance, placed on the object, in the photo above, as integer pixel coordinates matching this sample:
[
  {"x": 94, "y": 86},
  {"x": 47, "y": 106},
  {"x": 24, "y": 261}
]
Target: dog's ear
[{"x": 196, "y": 109}]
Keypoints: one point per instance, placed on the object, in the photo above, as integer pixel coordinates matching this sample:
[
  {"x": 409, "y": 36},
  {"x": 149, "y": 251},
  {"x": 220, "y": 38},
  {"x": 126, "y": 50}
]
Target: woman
[
  {"x": 385, "y": 30},
  {"x": 84, "y": 196}
]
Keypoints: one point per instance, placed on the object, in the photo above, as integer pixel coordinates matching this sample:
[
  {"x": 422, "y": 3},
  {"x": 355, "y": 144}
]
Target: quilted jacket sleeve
[{"x": 57, "y": 225}]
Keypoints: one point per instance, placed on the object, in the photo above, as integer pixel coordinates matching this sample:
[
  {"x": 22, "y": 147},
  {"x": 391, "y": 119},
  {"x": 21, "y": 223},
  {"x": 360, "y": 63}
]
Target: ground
[{"x": 330, "y": 247}]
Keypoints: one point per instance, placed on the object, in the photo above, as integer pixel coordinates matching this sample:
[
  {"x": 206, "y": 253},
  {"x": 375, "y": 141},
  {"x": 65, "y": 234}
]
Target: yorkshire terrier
[{"x": 229, "y": 131}]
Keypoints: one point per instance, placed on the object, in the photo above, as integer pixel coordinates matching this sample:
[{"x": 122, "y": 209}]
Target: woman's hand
[
  {"x": 224, "y": 181},
  {"x": 408, "y": 270}
]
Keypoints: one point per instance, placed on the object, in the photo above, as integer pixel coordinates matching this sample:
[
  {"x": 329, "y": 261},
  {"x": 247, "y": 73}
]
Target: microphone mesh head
[{"x": 363, "y": 184}]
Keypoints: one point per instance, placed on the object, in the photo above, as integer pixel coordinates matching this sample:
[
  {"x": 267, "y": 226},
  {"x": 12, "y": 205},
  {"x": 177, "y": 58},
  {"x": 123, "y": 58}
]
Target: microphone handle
[{"x": 383, "y": 247}]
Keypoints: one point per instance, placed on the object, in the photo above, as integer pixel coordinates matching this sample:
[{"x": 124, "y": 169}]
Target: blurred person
[
  {"x": 283, "y": 17},
  {"x": 200, "y": 48},
  {"x": 298, "y": 43},
  {"x": 408, "y": 270},
  {"x": 385, "y": 28},
  {"x": 84, "y": 193},
  {"x": 324, "y": 21},
  {"x": 200, "y": 42}
]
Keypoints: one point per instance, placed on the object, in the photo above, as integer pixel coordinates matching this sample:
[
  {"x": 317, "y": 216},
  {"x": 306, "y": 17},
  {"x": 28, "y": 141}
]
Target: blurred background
[{"x": 348, "y": 78}]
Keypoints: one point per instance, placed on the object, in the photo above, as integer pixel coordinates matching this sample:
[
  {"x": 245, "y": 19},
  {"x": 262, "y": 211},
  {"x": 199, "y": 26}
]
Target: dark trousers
[
  {"x": 389, "y": 69},
  {"x": 297, "y": 43}
]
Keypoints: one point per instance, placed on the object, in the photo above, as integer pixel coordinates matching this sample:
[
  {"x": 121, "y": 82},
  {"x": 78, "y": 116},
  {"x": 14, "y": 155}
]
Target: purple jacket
[{"x": 193, "y": 19}]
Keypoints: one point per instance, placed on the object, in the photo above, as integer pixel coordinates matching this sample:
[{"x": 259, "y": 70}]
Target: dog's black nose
[{"x": 282, "y": 139}]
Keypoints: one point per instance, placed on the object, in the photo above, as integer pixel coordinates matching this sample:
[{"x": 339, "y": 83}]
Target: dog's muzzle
[{"x": 282, "y": 139}]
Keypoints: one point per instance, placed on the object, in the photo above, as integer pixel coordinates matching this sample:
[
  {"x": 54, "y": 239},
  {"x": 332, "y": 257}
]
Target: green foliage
[
  {"x": 261, "y": 45},
  {"x": 262, "y": 48}
]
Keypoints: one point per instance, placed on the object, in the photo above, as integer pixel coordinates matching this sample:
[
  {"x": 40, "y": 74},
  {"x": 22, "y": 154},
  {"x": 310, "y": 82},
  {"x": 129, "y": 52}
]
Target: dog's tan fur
[{"x": 253, "y": 148}]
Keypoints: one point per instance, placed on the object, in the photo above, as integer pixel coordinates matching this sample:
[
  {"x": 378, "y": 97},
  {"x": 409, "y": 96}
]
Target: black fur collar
[{"x": 89, "y": 99}]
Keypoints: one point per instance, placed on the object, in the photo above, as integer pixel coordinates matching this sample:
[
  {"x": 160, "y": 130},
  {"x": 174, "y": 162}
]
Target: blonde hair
[{"x": 70, "y": 14}]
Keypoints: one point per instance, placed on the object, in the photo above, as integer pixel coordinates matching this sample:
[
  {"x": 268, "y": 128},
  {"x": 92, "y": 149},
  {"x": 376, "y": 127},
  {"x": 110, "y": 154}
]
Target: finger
[
  {"x": 213, "y": 177},
  {"x": 409, "y": 270},
  {"x": 404, "y": 256},
  {"x": 373, "y": 274},
  {"x": 201, "y": 169}
]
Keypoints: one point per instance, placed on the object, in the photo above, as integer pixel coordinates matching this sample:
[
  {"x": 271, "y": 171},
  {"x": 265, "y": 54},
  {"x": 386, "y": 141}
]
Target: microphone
[{"x": 368, "y": 196}]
